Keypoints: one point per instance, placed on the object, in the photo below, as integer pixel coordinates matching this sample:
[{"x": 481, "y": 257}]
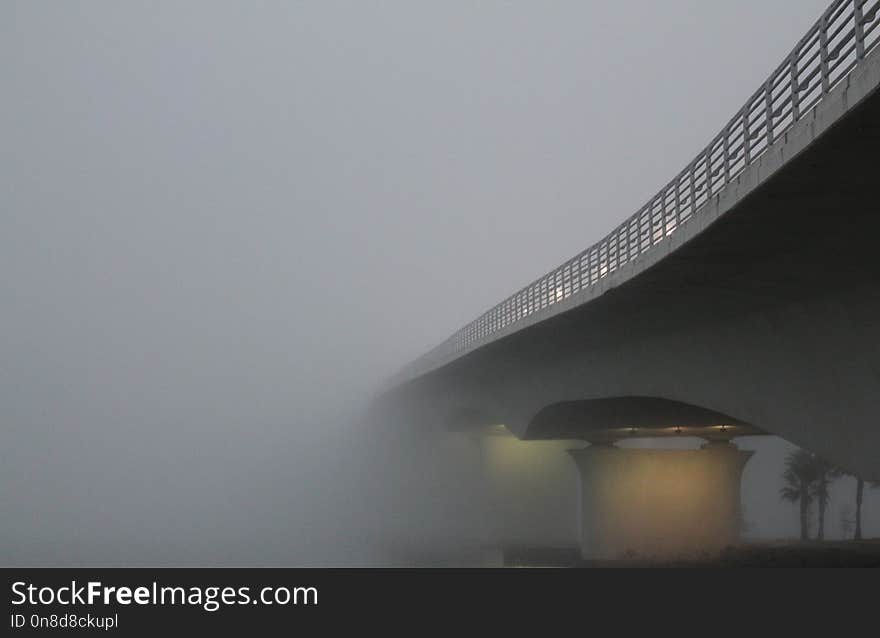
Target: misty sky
[{"x": 224, "y": 223}]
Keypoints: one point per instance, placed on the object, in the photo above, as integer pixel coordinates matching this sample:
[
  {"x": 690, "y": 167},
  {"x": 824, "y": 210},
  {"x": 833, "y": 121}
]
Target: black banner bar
[{"x": 133, "y": 601}]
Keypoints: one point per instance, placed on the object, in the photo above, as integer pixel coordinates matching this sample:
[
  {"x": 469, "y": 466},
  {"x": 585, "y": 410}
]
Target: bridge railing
[{"x": 829, "y": 51}]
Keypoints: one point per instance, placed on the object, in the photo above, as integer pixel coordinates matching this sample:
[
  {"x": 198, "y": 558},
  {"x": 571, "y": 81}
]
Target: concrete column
[
  {"x": 659, "y": 503},
  {"x": 531, "y": 489}
]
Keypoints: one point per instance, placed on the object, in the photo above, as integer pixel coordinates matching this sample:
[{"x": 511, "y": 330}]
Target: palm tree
[
  {"x": 800, "y": 474},
  {"x": 860, "y": 491},
  {"x": 824, "y": 474}
]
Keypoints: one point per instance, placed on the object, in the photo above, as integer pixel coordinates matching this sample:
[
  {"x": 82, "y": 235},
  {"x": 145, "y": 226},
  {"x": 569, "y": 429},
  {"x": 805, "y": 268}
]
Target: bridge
[{"x": 743, "y": 297}]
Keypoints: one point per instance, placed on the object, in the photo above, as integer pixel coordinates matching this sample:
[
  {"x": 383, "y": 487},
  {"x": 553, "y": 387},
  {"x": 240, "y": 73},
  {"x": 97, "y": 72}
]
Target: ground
[{"x": 865, "y": 553}]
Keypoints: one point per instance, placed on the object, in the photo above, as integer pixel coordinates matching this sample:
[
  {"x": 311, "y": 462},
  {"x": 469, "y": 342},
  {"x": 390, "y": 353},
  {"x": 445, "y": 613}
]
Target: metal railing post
[
  {"x": 823, "y": 54},
  {"x": 859, "y": 20}
]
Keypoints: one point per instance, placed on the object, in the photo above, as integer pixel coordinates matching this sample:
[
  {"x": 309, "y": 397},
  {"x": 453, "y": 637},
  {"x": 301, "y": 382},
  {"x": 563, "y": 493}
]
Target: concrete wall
[
  {"x": 653, "y": 503},
  {"x": 533, "y": 491}
]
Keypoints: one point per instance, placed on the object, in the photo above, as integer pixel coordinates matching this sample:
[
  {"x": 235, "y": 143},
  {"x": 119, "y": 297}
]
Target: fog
[{"x": 224, "y": 224}]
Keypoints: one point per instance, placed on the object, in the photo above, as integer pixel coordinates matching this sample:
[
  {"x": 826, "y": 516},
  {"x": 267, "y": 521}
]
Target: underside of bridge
[
  {"x": 612, "y": 419},
  {"x": 760, "y": 315},
  {"x": 769, "y": 316}
]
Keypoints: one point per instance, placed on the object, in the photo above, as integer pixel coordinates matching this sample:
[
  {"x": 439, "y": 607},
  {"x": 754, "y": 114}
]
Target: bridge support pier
[
  {"x": 659, "y": 503},
  {"x": 531, "y": 490}
]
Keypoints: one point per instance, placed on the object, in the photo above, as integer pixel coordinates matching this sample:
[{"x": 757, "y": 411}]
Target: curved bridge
[{"x": 746, "y": 293}]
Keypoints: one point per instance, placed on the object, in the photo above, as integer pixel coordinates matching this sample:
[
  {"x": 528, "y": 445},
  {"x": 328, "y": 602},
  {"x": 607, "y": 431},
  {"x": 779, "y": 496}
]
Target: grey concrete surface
[{"x": 763, "y": 310}]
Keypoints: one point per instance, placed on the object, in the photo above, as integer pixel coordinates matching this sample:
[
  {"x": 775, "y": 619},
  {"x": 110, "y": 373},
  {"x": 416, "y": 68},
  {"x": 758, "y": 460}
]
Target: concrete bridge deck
[{"x": 746, "y": 292}]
